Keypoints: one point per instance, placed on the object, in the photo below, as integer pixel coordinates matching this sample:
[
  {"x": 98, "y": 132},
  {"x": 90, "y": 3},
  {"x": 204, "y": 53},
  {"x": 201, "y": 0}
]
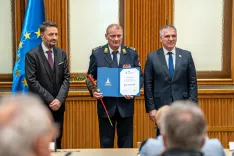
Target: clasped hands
[
  {"x": 98, "y": 95},
  {"x": 55, "y": 105}
]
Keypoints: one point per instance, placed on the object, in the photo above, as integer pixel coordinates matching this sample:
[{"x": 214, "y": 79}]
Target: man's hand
[
  {"x": 97, "y": 95},
  {"x": 152, "y": 115},
  {"x": 128, "y": 97},
  {"x": 55, "y": 105}
]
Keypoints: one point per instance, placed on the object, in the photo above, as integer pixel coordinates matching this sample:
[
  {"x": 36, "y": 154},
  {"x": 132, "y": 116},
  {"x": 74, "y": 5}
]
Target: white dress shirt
[
  {"x": 118, "y": 54},
  {"x": 45, "y": 49}
]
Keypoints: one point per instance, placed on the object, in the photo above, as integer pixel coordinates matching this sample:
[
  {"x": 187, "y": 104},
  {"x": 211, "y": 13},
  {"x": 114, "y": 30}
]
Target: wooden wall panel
[
  {"x": 56, "y": 11},
  {"x": 219, "y": 112},
  {"x": 143, "y": 20},
  {"x": 81, "y": 123}
]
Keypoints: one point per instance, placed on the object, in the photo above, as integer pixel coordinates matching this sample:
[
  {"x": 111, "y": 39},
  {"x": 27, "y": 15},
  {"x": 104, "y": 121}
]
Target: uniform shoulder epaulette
[
  {"x": 131, "y": 48},
  {"x": 97, "y": 48}
]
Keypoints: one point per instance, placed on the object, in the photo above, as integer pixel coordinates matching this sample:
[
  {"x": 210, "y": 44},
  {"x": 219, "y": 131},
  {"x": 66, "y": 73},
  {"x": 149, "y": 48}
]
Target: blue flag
[{"x": 30, "y": 38}]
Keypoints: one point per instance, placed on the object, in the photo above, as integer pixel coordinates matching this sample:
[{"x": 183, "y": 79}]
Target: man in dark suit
[
  {"x": 47, "y": 73},
  {"x": 120, "y": 109},
  {"x": 169, "y": 74}
]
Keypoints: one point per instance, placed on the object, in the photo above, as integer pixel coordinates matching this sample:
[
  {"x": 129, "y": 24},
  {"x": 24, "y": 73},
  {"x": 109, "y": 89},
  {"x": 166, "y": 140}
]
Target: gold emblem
[
  {"x": 106, "y": 50},
  {"x": 25, "y": 82}
]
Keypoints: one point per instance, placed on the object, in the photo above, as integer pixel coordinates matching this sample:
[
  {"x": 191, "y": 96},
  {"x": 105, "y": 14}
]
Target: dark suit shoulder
[
  {"x": 182, "y": 50},
  {"x": 153, "y": 53},
  {"x": 130, "y": 48},
  {"x": 98, "y": 48},
  {"x": 59, "y": 50},
  {"x": 34, "y": 50}
]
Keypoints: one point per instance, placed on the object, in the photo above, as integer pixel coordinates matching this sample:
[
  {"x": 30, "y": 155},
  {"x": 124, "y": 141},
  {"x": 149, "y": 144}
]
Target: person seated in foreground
[
  {"x": 154, "y": 146},
  {"x": 25, "y": 126}
]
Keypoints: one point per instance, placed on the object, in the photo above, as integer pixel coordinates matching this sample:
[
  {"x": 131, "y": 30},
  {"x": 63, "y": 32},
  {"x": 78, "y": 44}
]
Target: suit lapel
[
  {"x": 163, "y": 63},
  {"x": 45, "y": 64},
  {"x": 178, "y": 61},
  {"x": 107, "y": 55},
  {"x": 123, "y": 56}
]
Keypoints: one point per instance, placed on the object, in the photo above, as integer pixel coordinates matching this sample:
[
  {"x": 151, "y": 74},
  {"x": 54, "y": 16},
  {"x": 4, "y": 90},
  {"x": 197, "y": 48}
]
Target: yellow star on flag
[
  {"x": 20, "y": 44},
  {"x": 38, "y": 33},
  {"x": 25, "y": 82},
  {"x": 17, "y": 58},
  {"x": 17, "y": 73},
  {"x": 27, "y": 35}
]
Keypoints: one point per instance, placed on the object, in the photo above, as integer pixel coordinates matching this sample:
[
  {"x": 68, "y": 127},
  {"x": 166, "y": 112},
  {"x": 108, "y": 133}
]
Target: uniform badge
[
  {"x": 124, "y": 51},
  {"x": 106, "y": 50}
]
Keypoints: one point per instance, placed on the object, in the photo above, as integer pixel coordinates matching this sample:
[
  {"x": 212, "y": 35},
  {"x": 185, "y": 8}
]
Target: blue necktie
[
  {"x": 115, "y": 61},
  {"x": 170, "y": 64}
]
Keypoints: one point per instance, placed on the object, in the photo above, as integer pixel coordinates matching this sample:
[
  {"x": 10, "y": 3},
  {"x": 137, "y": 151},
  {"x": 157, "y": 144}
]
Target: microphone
[{"x": 68, "y": 153}]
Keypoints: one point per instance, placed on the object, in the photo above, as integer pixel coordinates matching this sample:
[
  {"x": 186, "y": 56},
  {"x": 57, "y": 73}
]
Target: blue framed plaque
[{"x": 117, "y": 82}]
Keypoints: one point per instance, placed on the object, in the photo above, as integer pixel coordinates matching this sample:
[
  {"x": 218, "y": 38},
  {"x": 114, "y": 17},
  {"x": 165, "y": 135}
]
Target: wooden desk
[
  {"x": 228, "y": 152},
  {"x": 98, "y": 152},
  {"x": 107, "y": 152}
]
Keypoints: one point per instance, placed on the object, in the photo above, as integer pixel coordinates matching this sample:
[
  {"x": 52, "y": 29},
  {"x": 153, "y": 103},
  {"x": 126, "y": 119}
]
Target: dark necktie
[
  {"x": 115, "y": 61},
  {"x": 170, "y": 64},
  {"x": 50, "y": 59}
]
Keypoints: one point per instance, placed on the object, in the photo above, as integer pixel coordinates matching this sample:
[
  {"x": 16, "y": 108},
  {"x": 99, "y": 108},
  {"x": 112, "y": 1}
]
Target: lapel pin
[{"x": 179, "y": 55}]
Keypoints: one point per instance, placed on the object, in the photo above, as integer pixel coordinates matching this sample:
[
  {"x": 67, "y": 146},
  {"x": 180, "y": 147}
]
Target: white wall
[
  {"x": 5, "y": 37},
  {"x": 199, "y": 29},
  {"x": 88, "y": 22}
]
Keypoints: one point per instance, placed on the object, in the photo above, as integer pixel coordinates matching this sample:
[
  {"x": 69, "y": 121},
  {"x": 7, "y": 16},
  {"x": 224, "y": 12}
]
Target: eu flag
[{"x": 30, "y": 38}]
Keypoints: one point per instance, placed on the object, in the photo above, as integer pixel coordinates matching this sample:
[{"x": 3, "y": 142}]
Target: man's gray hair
[
  {"x": 184, "y": 126},
  {"x": 29, "y": 121},
  {"x": 117, "y": 26},
  {"x": 166, "y": 27}
]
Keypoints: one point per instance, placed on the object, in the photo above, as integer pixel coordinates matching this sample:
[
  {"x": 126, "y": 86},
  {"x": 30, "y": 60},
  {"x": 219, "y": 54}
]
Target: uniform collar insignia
[
  {"x": 124, "y": 51},
  {"x": 106, "y": 50}
]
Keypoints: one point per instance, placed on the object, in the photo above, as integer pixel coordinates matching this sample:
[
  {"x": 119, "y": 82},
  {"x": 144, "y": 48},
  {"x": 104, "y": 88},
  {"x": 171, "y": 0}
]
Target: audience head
[
  {"x": 25, "y": 126},
  {"x": 114, "y": 36},
  {"x": 168, "y": 37},
  {"x": 183, "y": 126},
  {"x": 162, "y": 110}
]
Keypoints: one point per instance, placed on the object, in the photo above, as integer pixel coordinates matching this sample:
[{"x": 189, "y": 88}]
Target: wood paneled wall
[
  {"x": 56, "y": 11},
  {"x": 142, "y": 22},
  {"x": 81, "y": 122}
]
